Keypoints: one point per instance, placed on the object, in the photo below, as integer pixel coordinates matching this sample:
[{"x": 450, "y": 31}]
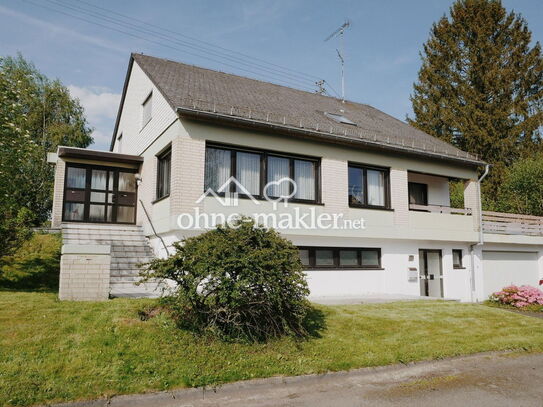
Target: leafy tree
[
  {"x": 242, "y": 282},
  {"x": 456, "y": 193},
  {"x": 480, "y": 86},
  {"x": 17, "y": 149},
  {"x": 36, "y": 115},
  {"x": 522, "y": 188}
]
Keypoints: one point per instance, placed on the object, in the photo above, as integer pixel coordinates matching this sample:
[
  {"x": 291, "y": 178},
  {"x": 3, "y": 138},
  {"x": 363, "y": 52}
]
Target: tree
[
  {"x": 17, "y": 149},
  {"x": 242, "y": 282},
  {"x": 36, "y": 116},
  {"x": 522, "y": 188},
  {"x": 480, "y": 86}
]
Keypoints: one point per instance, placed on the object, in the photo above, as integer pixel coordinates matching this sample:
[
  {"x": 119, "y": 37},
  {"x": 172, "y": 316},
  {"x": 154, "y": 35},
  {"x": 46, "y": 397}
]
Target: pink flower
[{"x": 518, "y": 296}]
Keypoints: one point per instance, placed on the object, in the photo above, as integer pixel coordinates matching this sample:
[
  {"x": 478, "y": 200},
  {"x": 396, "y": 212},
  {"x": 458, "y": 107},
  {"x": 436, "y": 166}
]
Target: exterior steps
[{"x": 129, "y": 249}]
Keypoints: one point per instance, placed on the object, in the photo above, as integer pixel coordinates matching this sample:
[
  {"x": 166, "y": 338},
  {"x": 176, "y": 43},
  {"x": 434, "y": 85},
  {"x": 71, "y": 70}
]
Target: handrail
[
  {"x": 152, "y": 227},
  {"x": 512, "y": 224},
  {"x": 441, "y": 209}
]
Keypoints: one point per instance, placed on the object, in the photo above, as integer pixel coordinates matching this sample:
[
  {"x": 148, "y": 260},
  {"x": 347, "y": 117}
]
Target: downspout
[{"x": 481, "y": 234}]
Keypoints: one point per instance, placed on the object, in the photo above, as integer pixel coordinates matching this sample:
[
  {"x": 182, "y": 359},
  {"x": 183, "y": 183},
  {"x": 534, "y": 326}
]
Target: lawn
[{"x": 56, "y": 351}]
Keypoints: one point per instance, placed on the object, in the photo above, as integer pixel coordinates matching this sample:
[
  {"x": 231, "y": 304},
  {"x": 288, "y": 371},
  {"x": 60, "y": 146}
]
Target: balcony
[
  {"x": 440, "y": 209},
  {"x": 512, "y": 224}
]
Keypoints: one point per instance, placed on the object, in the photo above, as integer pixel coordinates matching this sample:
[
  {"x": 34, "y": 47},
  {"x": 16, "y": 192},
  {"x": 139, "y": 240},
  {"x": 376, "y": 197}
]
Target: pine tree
[{"x": 480, "y": 86}]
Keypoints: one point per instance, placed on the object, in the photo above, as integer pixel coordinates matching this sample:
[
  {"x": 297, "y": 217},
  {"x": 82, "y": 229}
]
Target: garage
[{"x": 503, "y": 268}]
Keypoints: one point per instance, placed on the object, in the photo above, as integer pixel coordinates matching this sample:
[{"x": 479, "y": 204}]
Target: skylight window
[{"x": 339, "y": 118}]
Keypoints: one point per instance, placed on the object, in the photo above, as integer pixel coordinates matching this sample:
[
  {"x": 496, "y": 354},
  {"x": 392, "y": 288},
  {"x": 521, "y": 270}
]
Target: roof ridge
[{"x": 141, "y": 54}]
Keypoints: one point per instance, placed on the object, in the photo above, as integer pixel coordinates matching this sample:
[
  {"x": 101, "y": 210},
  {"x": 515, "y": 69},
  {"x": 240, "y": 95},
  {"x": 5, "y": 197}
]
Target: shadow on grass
[
  {"x": 33, "y": 266},
  {"x": 34, "y": 274},
  {"x": 315, "y": 322}
]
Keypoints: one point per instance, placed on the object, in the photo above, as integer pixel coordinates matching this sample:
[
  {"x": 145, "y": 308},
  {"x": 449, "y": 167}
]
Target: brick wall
[
  {"x": 399, "y": 196},
  {"x": 58, "y": 194},
  {"x": 335, "y": 179},
  {"x": 188, "y": 159},
  {"x": 84, "y": 272},
  {"x": 147, "y": 188},
  {"x": 471, "y": 200}
]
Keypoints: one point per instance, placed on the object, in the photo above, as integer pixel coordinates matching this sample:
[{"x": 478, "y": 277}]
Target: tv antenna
[{"x": 340, "y": 53}]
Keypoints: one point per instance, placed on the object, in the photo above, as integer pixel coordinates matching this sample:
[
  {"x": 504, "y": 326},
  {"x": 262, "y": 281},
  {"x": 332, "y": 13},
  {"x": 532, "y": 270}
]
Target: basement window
[
  {"x": 339, "y": 118},
  {"x": 340, "y": 258}
]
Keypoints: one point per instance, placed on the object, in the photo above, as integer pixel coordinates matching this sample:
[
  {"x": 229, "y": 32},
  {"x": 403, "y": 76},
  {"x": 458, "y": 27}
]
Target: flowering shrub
[{"x": 519, "y": 297}]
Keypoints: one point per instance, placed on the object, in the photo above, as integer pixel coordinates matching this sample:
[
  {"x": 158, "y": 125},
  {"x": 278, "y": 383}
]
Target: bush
[
  {"x": 519, "y": 297},
  {"x": 241, "y": 282},
  {"x": 34, "y": 265}
]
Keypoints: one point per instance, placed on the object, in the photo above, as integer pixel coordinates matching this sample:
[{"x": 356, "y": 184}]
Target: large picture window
[
  {"x": 340, "y": 258},
  {"x": 254, "y": 169},
  {"x": 164, "y": 165},
  {"x": 99, "y": 194},
  {"x": 368, "y": 187}
]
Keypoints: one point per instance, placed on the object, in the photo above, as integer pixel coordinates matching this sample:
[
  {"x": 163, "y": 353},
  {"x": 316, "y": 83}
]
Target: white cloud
[
  {"x": 98, "y": 102},
  {"x": 101, "y": 107}
]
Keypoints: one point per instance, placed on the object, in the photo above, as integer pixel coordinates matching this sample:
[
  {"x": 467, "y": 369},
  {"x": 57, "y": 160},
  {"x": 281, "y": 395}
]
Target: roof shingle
[{"x": 188, "y": 86}]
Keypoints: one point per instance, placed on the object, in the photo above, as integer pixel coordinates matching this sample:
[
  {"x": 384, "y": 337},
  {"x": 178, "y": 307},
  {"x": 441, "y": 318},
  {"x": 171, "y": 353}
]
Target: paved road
[{"x": 481, "y": 380}]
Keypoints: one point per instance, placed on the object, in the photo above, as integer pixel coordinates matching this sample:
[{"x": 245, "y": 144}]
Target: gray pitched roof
[{"x": 191, "y": 88}]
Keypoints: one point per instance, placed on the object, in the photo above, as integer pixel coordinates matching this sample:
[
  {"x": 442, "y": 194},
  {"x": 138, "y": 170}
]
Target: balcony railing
[
  {"x": 440, "y": 209},
  {"x": 512, "y": 224}
]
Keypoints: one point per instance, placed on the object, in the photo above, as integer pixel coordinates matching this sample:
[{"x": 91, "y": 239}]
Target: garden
[{"x": 240, "y": 312}]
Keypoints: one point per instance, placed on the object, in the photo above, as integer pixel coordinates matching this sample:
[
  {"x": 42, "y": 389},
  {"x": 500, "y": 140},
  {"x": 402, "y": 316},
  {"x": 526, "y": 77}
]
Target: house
[{"x": 183, "y": 134}]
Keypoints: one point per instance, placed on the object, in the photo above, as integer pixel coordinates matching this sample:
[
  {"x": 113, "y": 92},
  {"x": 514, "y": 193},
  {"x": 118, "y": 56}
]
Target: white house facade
[{"x": 184, "y": 132}]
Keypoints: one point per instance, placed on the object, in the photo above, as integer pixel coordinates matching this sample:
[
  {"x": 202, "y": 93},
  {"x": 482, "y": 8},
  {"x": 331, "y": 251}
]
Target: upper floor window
[
  {"x": 368, "y": 187},
  {"x": 418, "y": 193},
  {"x": 164, "y": 165},
  {"x": 259, "y": 172},
  {"x": 146, "y": 110}
]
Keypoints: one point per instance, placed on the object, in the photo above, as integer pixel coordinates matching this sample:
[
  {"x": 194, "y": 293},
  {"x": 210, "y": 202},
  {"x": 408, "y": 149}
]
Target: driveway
[{"x": 504, "y": 379}]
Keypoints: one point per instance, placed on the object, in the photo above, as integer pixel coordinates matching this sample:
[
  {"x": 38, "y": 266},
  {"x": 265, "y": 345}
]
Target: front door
[
  {"x": 430, "y": 273},
  {"x": 99, "y": 194}
]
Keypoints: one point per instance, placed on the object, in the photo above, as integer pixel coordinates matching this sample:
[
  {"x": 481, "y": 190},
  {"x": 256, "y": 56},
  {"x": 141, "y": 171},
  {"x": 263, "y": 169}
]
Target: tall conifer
[{"x": 480, "y": 86}]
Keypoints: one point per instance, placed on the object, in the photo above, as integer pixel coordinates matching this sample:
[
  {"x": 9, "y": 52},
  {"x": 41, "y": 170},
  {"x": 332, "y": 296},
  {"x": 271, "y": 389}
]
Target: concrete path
[
  {"x": 480, "y": 380},
  {"x": 372, "y": 299}
]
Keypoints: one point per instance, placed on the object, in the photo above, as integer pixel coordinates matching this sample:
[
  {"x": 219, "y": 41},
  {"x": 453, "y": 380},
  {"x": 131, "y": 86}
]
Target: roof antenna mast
[{"x": 340, "y": 53}]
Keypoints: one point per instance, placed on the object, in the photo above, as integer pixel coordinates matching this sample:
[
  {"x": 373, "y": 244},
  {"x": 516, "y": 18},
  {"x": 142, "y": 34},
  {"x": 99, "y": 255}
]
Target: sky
[{"x": 284, "y": 38}]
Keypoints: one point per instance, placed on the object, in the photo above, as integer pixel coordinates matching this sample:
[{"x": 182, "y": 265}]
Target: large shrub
[
  {"x": 242, "y": 282},
  {"x": 522, "y": 188},
  {"x": 520, "y": 297},
  {"x": 34, "y": 265}
]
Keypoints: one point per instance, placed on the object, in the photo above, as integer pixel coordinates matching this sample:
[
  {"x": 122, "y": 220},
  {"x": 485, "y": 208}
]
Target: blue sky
[{"x": 382, "y": 45}]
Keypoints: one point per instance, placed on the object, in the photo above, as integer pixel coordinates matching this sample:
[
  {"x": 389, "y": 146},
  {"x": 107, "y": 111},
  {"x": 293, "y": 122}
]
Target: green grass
[
  {"x": 55, "y": 351},
  {"x": 528, "y": 309}
]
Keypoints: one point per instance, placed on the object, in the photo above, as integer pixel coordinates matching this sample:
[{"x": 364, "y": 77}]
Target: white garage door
[{"x": 501, "y": 269}]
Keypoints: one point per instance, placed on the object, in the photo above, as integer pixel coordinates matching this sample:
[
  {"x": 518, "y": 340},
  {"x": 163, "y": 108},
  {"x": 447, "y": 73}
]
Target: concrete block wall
[{"x": 84, "y": 272}]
